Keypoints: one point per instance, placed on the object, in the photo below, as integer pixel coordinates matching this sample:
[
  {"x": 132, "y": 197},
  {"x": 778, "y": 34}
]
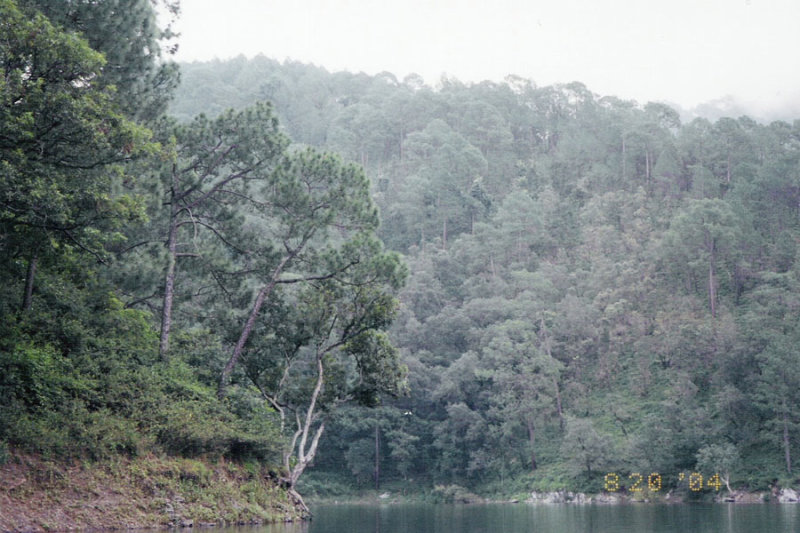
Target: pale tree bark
[
  {"x": 305, "y": 450},
  {"x": 305, "y": 440},
  {"x": 27, "y": 296},
  {"x": 728, "y": 170},
  {"x": 377, "y": 457},
  {"x": 624, "y": 169},
  {"x": 712, "y": 281},
  {"x": 786, "y": 444},
  {"x": 726, "y": 478},
  {"x": 169, "y": 282}
]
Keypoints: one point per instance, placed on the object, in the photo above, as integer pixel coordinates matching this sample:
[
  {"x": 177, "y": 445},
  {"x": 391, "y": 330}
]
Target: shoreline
[
  {"x": 564, "y": 497},
  {"x": 148, "y": 492},
  {"x": 159, "y": 492}
]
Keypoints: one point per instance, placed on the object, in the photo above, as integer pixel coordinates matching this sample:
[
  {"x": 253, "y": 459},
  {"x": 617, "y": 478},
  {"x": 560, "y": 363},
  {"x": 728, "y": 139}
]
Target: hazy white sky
[{"x": 684, "y": 51}]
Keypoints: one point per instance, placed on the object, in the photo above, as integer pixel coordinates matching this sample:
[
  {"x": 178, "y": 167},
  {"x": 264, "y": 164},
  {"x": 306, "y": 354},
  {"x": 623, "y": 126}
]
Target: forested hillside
[
  {"x": 594, "y": 286},
  {"x": 227, "y": 280},
  {"x": 168, "y": 291}
]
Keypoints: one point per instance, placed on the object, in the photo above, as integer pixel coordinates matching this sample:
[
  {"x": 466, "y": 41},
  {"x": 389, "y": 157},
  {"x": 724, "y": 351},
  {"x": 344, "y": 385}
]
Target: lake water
[{"x": 523, "y": 518}]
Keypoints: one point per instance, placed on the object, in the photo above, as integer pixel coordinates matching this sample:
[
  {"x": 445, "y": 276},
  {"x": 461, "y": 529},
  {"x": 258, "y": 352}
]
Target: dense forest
[
  {"x": 359, "y": 281},
  {"x": 594, "y": 286},
  {"x": 202, "y": 289}
]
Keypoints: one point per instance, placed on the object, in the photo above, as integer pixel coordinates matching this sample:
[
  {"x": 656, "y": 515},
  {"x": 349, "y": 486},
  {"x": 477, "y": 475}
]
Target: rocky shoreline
[{"x": 615, "y": 498}]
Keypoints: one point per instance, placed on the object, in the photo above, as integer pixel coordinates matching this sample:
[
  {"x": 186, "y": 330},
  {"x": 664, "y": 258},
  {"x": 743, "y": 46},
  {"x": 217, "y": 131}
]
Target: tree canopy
[
  {"x": 357, "y": 279},
  {"x": 588, "y": 277}
]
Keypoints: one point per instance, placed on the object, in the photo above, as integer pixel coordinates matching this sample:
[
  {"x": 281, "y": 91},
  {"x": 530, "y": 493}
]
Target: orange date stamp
[{"x": 636, "y": 482}]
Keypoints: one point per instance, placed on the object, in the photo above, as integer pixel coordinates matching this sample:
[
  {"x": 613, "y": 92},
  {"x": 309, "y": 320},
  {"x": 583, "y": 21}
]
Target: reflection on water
[
  {"x": 523, "y": 518},
  {"x": 300, "y": 527}
]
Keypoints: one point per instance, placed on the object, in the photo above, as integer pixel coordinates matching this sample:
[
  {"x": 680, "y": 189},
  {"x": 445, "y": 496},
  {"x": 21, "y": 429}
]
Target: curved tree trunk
[{"x": 263, "y": 294}]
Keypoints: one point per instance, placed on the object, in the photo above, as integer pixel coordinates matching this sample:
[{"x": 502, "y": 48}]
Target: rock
[
  {"x": 384, "y": 496},
  {"x": 187, "y": 523},
  {"x": 787, "y": 496},
  {"x": 749, "y": 497},
  {"x": 548, "y": 497},
  {"x": 559, "y": 496},
  {"x": 607, "y": 498}
]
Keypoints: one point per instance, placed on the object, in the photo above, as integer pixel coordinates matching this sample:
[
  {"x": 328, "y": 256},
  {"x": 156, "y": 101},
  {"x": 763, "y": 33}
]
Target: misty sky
[{"x": 682, "y": 51}]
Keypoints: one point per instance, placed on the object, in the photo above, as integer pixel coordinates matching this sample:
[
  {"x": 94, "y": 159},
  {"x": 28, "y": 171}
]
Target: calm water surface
[{"x": 522, "y": 518}]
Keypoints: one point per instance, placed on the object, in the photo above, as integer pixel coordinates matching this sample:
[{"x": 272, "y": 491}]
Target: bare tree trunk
[
  {"x": 402, "y": 138},
  {"x": 786, "y": 448},
  {"x": 727, "y": 479},
  {"x": 728, "y": 171},
  {"x": 561, "y": 421},
  {"x": 624, "y": 170},
  {"x": 299, "y": 501},
  {"x": 169, "y": 286},
  {"x": 377, "y": 457},
  {"x": 306, "y": 456},
  {"x": 27, "y": 296},
  {"x": 712, "y": 281},
  {"x": 532, "y": 441},
  {"x": 546, "y": 344}
]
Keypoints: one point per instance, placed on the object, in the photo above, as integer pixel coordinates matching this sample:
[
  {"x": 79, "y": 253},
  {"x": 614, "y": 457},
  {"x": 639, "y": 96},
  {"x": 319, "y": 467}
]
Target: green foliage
[
  {"x": 127, "y": 34},
  {"x": 360, "y": 457},
  {"x": 319, "y": 485},
  {"x": 62, "y": 148},
  {"x": 453, "y": 494},
  {"x": 587, "y": 451},
  {"x": 80, "y": 375},
  {"x": 102, "y": 406},
  {"x": 718, "y": 458},
  {"x": 592, "y": 283}
]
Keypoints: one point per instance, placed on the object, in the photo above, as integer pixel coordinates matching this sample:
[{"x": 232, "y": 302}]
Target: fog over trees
[
  {"x": 364, "y": 281},
  {"x": 595, "y": 285}
]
